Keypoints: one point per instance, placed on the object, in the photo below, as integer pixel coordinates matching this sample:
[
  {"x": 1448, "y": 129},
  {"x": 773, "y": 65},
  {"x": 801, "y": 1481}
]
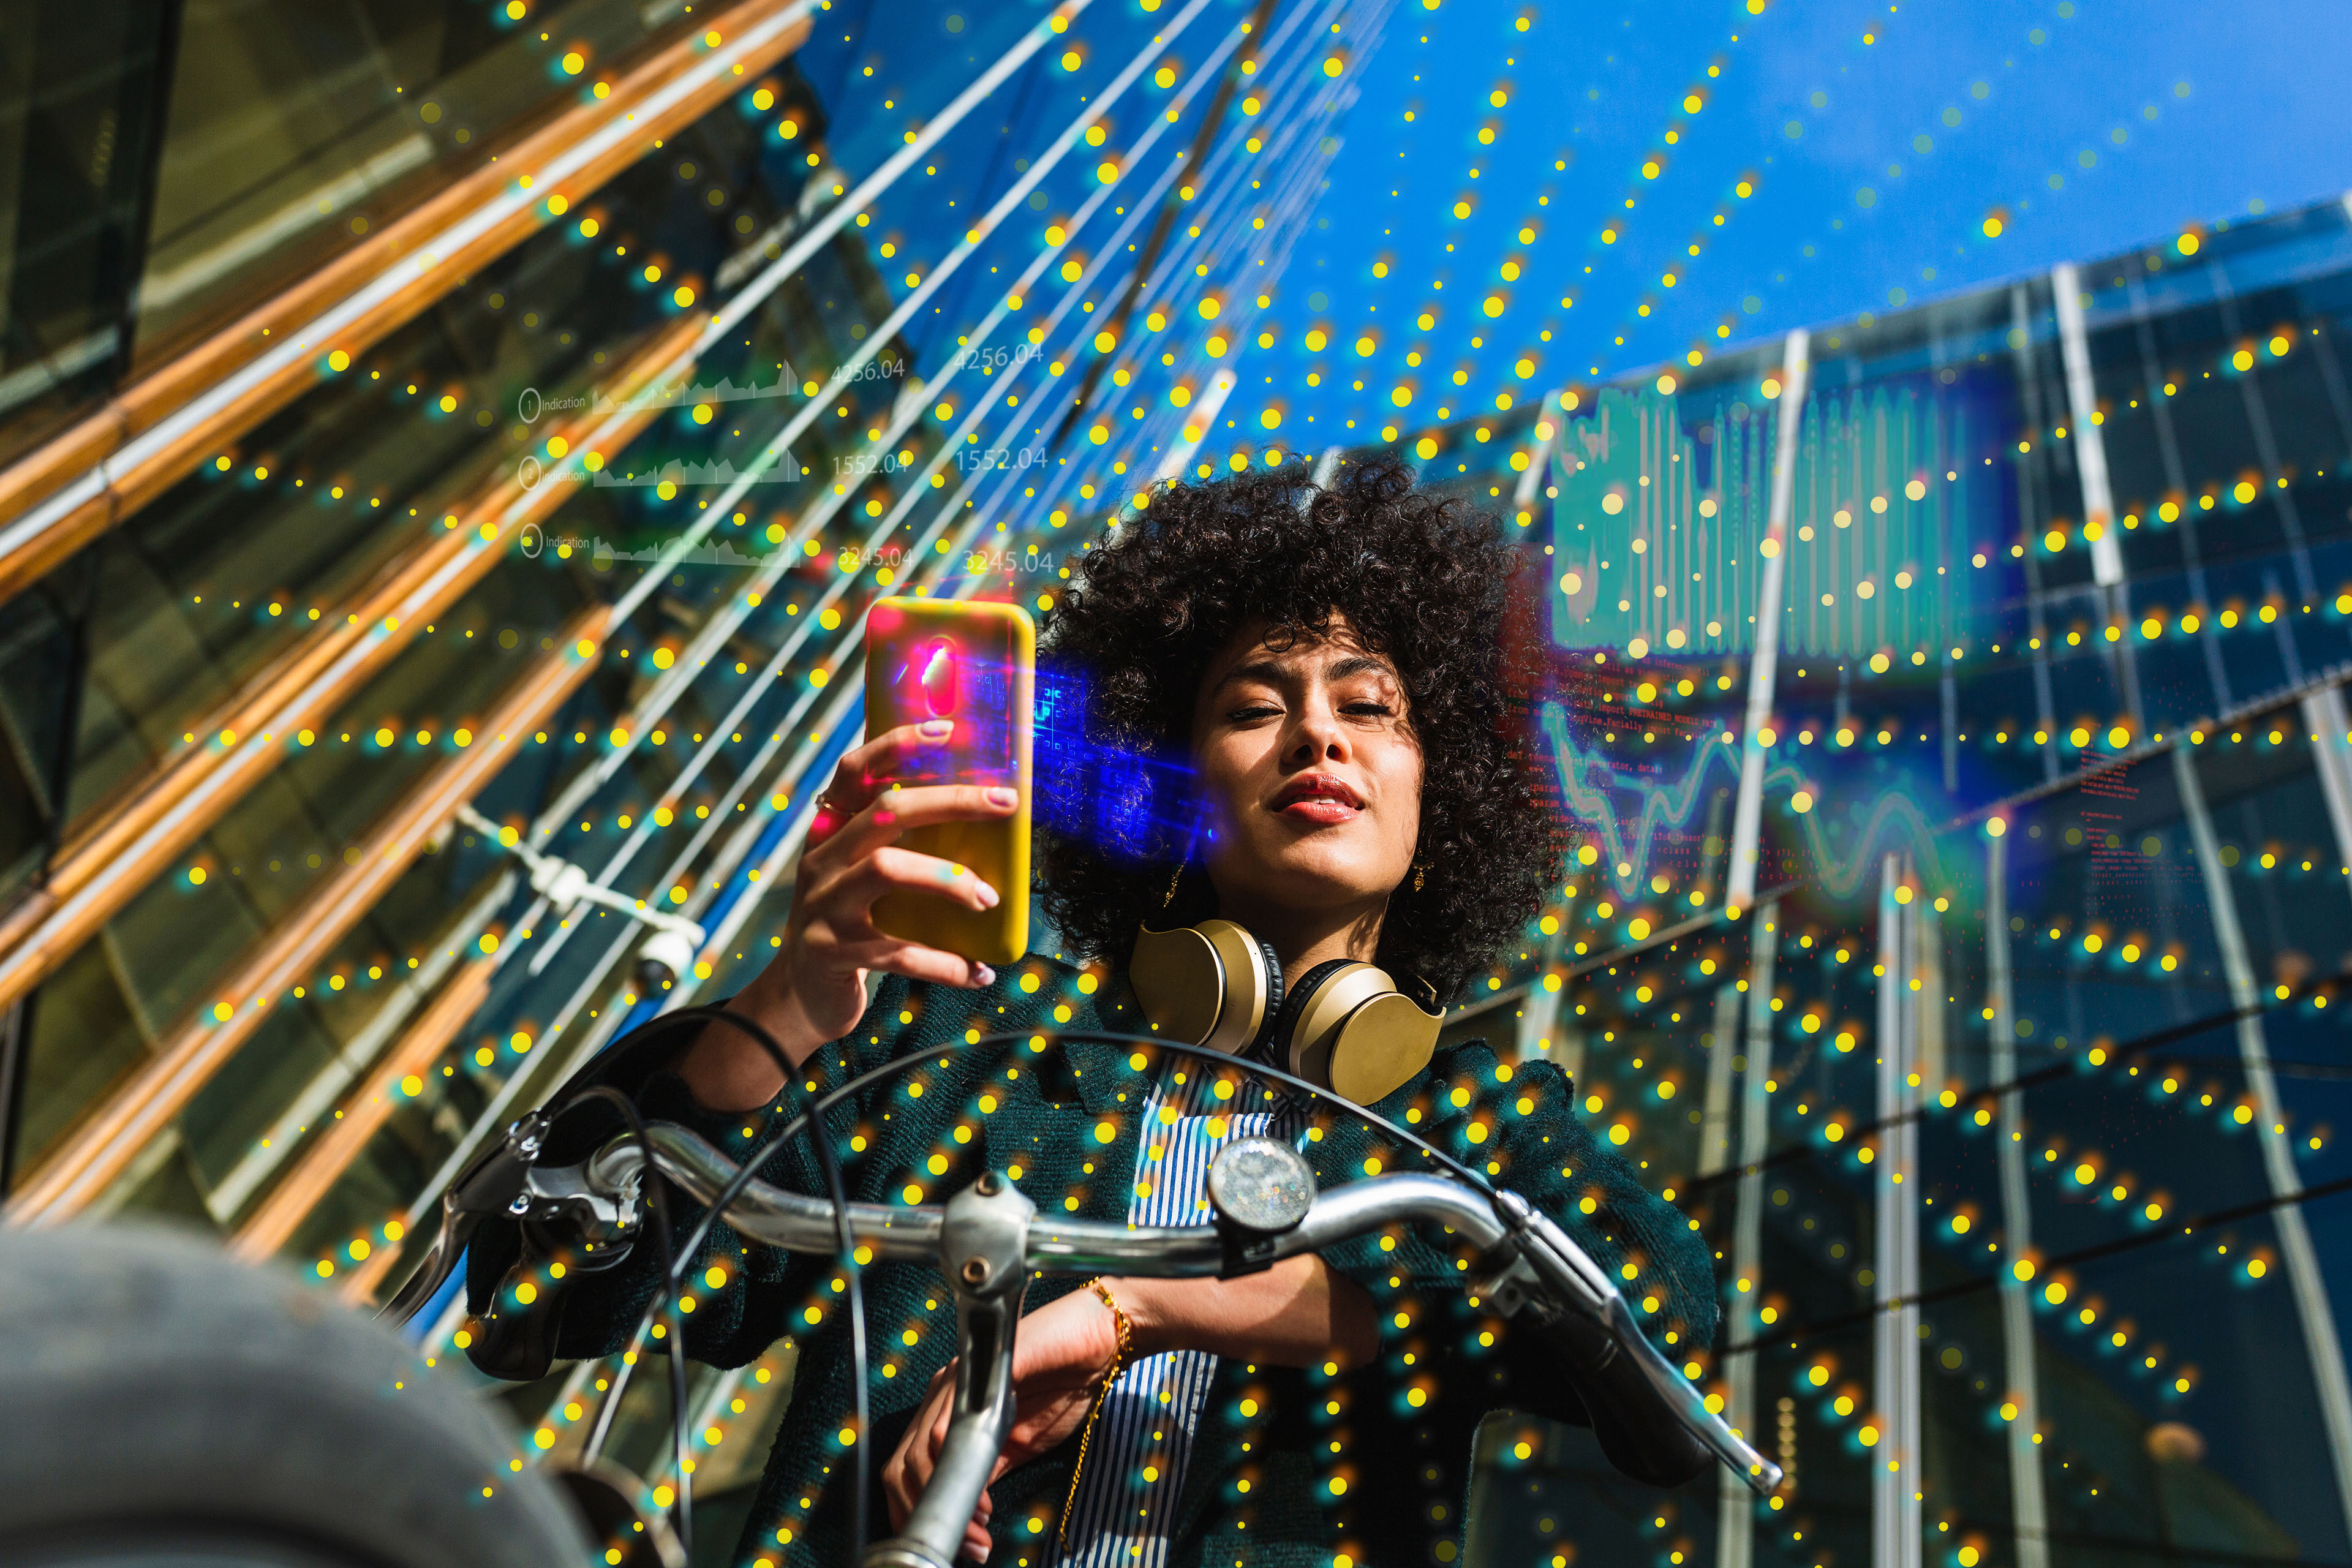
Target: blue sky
[{"x": 2085, "y": 128}]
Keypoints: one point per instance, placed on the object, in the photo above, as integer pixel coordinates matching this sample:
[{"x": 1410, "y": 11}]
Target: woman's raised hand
[
  {"x": 814, "y": 990},
  {"x": 853, "y": 858}
]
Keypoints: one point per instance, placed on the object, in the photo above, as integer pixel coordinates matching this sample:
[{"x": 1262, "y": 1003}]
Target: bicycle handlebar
[
  {"x": 988, "y": 1241},
  {"x": 805, "y": 1224}
]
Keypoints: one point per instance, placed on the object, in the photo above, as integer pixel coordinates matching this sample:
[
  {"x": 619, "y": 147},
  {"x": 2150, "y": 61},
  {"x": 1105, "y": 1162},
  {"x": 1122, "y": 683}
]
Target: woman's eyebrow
[
  {"x": 1274, "y": 674},
  {"x": 1264, "y": 669}
]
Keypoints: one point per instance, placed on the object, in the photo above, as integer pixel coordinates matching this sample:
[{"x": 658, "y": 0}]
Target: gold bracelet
[{"x": 1126, "y": 1332}]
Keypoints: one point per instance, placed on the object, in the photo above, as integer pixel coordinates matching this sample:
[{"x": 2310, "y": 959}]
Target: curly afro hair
[{"x": 1423, "y": 579}]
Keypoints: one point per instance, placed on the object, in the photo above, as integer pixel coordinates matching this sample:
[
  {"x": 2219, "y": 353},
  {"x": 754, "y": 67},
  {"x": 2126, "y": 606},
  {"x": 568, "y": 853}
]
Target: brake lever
[
  {"x": 605, "y": 1214},
  {"x": 496, "y": 1184},
  {"x": 449, "y": 1244},
  {"x": 1551, "y": 1274}
]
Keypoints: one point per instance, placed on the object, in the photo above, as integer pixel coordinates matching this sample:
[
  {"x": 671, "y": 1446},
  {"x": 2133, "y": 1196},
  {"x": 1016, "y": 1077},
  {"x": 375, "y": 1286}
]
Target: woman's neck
[{"x": 1305, "y": 938}]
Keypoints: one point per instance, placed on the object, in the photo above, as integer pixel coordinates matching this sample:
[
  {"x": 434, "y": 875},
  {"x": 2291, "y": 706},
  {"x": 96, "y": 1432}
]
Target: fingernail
[
  {"x": 1001, "y": 794},
  {"x": 982, "y": 977},
  {"x": 933, "y": 728},
  {"x": 988, "y": 897}
]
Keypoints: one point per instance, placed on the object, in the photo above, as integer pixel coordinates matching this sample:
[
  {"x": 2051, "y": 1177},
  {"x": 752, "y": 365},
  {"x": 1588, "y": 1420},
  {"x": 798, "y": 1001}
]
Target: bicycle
[{"x": 989, "y": 1238}]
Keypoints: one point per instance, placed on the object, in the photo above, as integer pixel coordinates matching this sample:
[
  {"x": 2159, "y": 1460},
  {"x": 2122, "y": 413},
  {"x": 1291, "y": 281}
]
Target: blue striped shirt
[{"x": 1134, "y": 1472}]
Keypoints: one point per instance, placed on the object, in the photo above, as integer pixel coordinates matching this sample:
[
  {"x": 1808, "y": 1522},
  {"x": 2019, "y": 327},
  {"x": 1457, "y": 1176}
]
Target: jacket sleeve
[
  {"x": 1517, "y": 1123},
  {"x": 736, "y": 1298}
]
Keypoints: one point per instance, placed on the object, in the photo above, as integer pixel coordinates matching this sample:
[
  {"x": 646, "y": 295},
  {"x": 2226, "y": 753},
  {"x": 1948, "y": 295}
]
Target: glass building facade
[
  {"x": 1947, "y": 704},
  {"x": 2007, "y": 1095}
]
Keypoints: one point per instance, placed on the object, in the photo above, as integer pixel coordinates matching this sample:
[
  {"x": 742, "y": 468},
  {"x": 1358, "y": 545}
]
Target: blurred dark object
[
  {"x": 612, "y": 1501},
  {"x": 167, "y": 1405}
]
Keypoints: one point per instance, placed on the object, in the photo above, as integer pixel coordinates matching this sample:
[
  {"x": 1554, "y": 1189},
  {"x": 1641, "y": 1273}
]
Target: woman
[{"x": 1326, "y": 663}]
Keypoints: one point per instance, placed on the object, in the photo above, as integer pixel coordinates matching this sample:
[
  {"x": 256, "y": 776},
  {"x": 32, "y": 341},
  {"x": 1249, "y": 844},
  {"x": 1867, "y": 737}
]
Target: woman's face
[{"x": 1312, "y": 774}]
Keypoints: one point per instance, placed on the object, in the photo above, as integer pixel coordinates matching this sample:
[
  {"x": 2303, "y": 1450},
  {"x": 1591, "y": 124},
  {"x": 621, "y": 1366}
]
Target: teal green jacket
[{"x": 1291, "y": 1468}]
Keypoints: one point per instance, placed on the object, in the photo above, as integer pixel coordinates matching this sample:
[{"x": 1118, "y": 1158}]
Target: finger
[
  {"x": 939, "y": 1424},
  {"x": 892, "y": 812},
  {"x": 898, "y": 1477},
  {"x": 904, "y": 1480},
  {"x": 867, "y": 768},
  {"x": 980, "y": 1517},
  {"x": 929, "y": 964},
  {"x": 977, "y": 1543},
  {"x": 847, "y": 827},
  {"x": 927, "y": 1454},
  {"x": 889, "y": 870},
  {"x": 842, "y": 945},
  {"x": 923, "y": 1452},
  {"x": 977, "y": 1530},
  {"x": 893, "y": 1486}
]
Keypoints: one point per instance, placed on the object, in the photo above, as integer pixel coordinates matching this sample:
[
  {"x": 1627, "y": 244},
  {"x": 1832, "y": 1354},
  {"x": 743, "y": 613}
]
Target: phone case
[{"x": 976, "y": 664}]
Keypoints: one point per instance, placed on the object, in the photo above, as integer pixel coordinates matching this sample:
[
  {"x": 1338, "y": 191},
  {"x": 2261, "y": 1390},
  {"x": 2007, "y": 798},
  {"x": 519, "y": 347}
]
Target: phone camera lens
[{"x": 938, "y": 679}]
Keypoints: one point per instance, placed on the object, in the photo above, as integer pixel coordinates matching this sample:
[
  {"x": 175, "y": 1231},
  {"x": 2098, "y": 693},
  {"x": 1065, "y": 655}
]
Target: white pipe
[
  {"x": 2322, "y": 1347},
  {"x": 2090, "y": 441},
  {"x": 1746, "y": 821},
  {"x": 1895, "y": 1478},
  {"x": 1735, "y": 1527},
  {"x": 2029, "y": 1506},
  {"x": 772, "y": 277}
]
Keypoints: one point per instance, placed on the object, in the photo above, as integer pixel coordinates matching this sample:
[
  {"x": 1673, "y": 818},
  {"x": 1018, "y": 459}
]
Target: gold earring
[
  {"x": 1418, "y": 871},
  {"x": 1171, "y": 885}
]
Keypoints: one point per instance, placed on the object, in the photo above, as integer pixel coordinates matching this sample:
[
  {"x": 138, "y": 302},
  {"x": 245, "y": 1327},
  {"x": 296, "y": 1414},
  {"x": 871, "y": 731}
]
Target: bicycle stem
[{"x": 983, "y": 1251}]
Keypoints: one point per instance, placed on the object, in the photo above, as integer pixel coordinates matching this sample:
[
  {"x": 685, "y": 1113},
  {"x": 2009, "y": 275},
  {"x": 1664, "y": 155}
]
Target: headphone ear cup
[
  {"x": 1282, "y": 1044},
  {"x": 1179, "y": 977},
  {"x": 1349, "y": 1029},
  {"x": 1214, "y": 984},
  {"x": 1384, "y": 1044}
]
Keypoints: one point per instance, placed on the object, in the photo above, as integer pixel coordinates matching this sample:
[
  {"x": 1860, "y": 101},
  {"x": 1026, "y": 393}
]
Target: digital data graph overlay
[{"x": 1659, "y": 528}]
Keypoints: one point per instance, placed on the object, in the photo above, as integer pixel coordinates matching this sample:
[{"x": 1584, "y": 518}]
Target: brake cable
[{"x": 675, "y": 1261}]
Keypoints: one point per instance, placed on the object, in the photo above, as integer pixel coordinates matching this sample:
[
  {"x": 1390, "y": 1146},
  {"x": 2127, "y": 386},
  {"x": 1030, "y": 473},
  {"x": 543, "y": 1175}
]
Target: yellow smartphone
[{"x": 976, "y": 664}]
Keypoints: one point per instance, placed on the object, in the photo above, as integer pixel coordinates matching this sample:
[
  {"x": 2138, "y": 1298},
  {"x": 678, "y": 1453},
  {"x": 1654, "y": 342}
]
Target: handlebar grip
[
  {"x": 1641, "y": 1435},
  {"x": 1652, "y": 1424}
]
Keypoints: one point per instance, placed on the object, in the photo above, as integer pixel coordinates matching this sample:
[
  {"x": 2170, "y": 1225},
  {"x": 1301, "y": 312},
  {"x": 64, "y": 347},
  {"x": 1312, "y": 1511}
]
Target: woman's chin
[{"x": 1319, "y": 869}]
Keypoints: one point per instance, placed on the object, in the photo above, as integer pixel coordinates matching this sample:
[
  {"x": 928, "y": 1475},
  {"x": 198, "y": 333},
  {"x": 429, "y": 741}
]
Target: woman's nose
[{"x": 1320, "y": 736}]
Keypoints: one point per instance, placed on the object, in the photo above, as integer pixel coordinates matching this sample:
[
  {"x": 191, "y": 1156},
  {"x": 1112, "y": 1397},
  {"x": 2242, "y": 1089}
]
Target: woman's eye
[
  {"x": 1378, "y": 709},
  {"x": 1258, "y": 711}
]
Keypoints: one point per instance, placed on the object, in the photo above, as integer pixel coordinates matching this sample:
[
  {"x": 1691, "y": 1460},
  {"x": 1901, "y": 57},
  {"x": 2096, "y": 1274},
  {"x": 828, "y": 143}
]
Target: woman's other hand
[
  {"x": 1059, "y": 1359},
  {"x": 1298, "y": 1313},
  {"x": 814, "y": 990}
]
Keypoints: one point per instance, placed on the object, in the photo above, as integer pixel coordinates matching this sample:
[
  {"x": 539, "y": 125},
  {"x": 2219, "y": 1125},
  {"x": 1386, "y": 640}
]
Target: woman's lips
[{"x": 1323, "y": 810}]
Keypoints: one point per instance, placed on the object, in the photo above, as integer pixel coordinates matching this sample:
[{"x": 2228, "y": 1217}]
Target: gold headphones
[{"x": 1345, "y": 1026}]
